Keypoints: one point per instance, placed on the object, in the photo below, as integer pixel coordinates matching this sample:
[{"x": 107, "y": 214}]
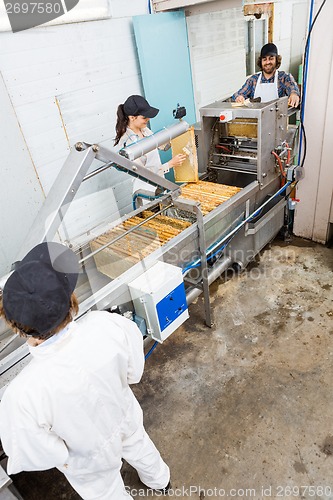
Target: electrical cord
[
  {"x": 151, "y": 350},
  {"x": 312, "y": 25},
  {"x": 304, "y": 77},
  {"x": 304, "y": 143}
]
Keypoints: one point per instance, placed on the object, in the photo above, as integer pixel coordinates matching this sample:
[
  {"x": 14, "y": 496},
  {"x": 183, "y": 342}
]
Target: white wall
[
  {"x": 290, "y": 26},
  {"x": 216, "y": 42},
  {"x": 64, "y": 83},
  {"x": 313, "y": 213},
  {"x": 21, "y": 194}
]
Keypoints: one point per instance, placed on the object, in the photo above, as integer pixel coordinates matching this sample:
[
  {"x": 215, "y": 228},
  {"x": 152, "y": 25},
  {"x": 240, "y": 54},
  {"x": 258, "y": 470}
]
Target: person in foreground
[
  {"x": 132, "y": 125},
  {"x": 71, "y": 407},
  {"x": 270, "y": 83}
]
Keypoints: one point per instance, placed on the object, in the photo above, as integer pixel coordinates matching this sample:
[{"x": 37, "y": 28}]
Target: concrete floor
[{"x": 243, "y": 410}]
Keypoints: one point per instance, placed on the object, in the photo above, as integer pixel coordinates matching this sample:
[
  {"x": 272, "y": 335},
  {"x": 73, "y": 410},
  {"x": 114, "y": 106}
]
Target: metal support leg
[{"x": 204, "y": 267}]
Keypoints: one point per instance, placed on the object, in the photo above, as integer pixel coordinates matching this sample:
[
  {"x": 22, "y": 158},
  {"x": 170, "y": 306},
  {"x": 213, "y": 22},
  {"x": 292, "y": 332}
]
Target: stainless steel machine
[
  {"x": 246, "y": 163},
  {"x": 251, "y": 146}
]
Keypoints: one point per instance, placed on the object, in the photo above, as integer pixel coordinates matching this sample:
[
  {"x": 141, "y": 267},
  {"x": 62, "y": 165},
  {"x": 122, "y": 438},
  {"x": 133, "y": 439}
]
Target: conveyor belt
[
  {"x": 141, "y": 242},
  {"x": 209, "y": 194},
  {"x": 147, "y": 238}
]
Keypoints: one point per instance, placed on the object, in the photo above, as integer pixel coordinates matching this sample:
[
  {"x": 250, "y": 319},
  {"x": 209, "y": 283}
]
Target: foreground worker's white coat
[{"x": 72, "y": 408}]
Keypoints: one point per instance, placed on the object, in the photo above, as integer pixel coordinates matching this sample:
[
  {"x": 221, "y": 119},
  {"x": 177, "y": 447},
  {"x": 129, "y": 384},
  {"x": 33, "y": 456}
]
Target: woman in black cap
[
  {"x": 270, "y": 83},
  {"x": 132, "y": 120}
]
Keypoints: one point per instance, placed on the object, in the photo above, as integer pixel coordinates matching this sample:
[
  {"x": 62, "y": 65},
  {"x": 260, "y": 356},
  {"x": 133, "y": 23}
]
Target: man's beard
[{"x": 269, "y": 69}]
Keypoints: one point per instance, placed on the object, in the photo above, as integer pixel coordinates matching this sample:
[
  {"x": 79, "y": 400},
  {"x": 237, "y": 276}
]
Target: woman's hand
[{"x": 177, "y": 160}]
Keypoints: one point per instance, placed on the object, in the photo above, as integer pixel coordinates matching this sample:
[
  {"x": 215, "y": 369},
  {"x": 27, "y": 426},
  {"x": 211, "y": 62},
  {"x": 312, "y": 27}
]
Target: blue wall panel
[{"x": 162, "y": 45}]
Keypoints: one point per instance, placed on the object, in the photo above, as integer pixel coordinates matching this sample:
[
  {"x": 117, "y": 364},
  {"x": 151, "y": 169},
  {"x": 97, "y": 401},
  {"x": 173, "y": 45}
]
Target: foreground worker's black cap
[
  {"x": 38, "y": 292},
  {"x": 136, "y": 105},
  {"x": 270, "y": 49}
]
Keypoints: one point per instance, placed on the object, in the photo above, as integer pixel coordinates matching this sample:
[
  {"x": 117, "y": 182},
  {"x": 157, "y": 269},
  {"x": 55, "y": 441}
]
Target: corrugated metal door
[{"x": 217, "y": 54}]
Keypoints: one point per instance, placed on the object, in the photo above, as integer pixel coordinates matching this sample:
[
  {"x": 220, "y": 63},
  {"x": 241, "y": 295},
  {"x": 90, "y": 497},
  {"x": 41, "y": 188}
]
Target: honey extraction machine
[{"x": 152, "y": 262}]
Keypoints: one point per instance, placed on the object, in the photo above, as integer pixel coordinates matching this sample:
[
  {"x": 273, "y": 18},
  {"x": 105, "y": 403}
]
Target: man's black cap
[
  {"x": 270, "y": 49},
  {"x": 136, "y": 105},
  {"x": 38, "y": 292}
]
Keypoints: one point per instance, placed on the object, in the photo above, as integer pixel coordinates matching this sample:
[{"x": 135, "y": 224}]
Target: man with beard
[{"x": 270, "y": 83}]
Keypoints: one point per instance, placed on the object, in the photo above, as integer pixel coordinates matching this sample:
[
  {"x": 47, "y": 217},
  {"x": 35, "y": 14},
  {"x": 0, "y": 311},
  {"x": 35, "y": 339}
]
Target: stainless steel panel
[{"x": 271, "y": 119}]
